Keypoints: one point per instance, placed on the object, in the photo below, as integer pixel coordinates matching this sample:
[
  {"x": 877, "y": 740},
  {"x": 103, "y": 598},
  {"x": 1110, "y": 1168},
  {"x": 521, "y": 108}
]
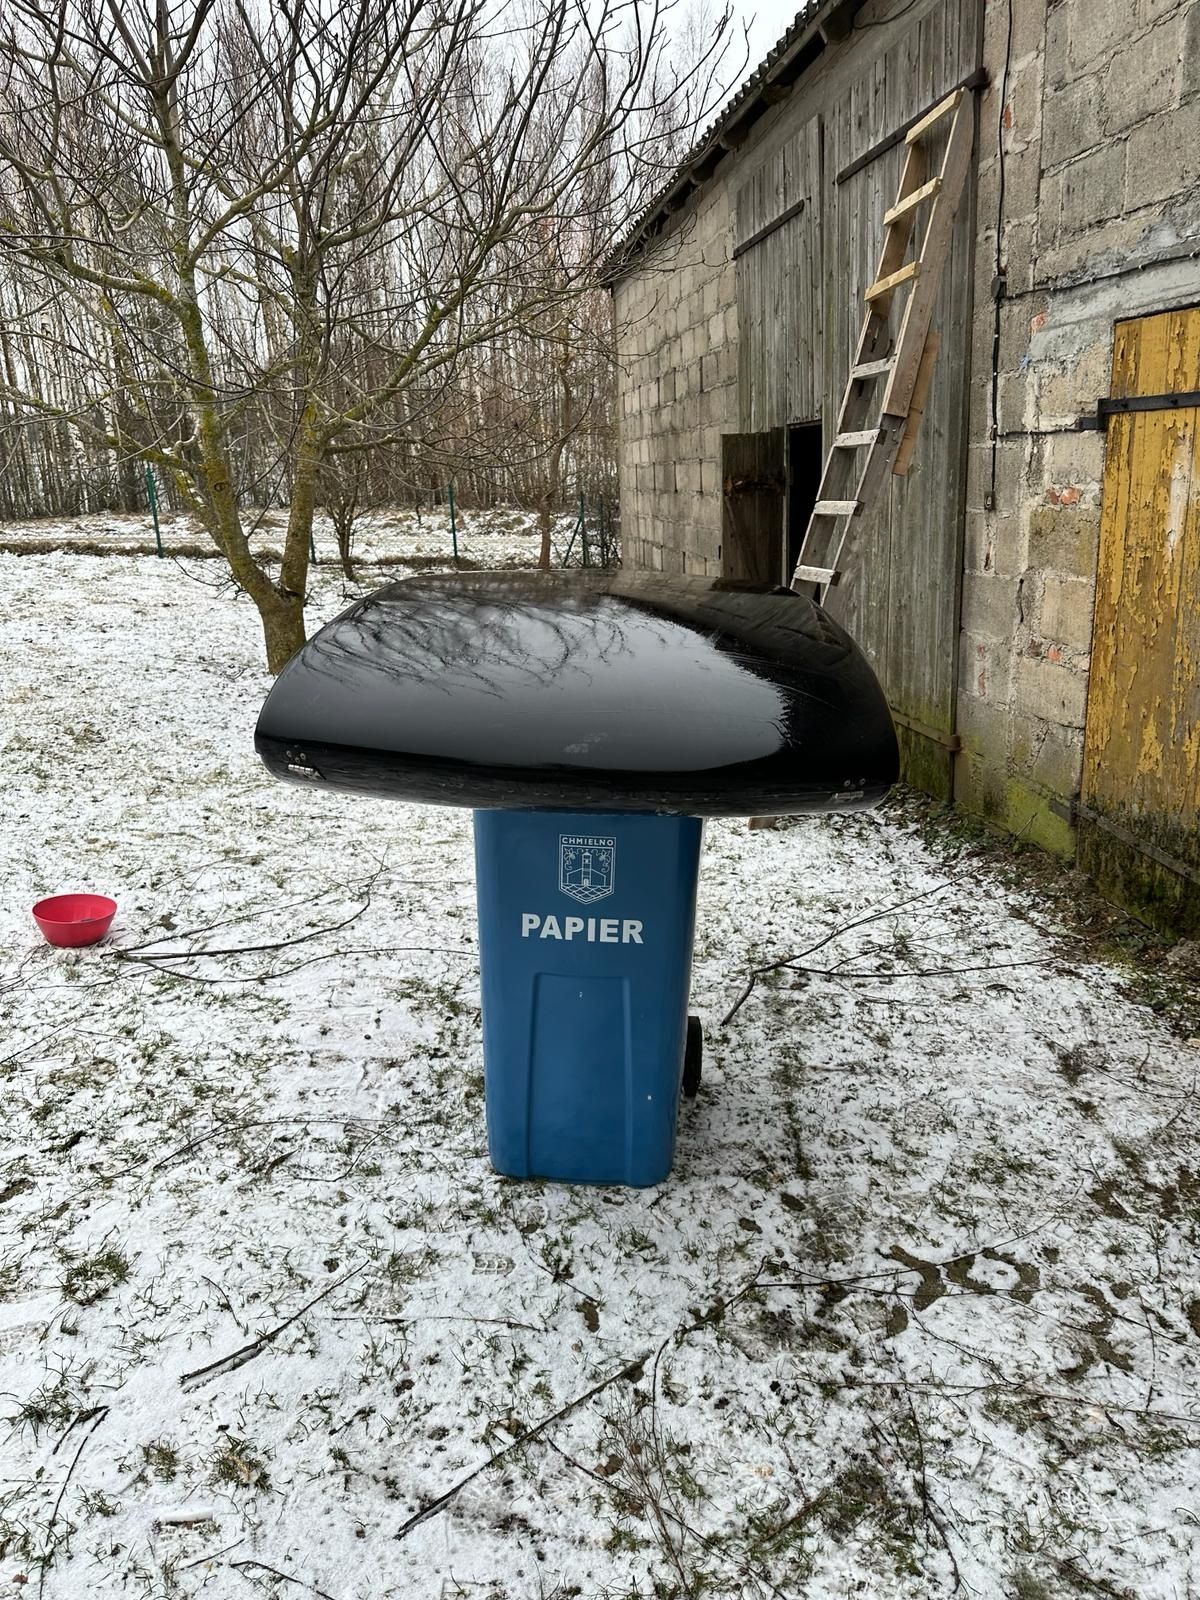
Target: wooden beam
[
  {"x": 893, "y": 280},
  {"x": 974, "y": 80},
  {"x": 916, "y": 406}
]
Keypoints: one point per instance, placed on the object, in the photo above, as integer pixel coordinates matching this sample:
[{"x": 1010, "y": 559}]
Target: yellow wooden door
[{"x": 1141, "y": 770}]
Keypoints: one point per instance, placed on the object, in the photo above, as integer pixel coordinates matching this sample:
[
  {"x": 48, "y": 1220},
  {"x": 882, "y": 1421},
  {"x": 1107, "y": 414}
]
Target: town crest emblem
[{"x": 586, "y": 866}]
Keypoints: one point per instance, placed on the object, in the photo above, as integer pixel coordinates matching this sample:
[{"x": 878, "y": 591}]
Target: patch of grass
[
  {"x": 162, "y": 1458},
  {"x": 90, "y": 1278},
  {"x": 54, "y": 1403},
  {"x": 235, "y": 1465}
]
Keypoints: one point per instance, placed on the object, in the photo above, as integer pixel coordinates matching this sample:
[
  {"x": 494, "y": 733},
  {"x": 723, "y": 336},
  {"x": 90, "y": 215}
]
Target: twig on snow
[
  {"x": 239, "y": 1358},
  {"x": 284, "y": 1577},
  {"x": 133, "y": 952},
  {"x": 229, "y": 1127},
  {"x": 326, "y": 955},
  {"x": 631, "y": 1370},
  {"x": 97, "y": 1419},
  {"x": 799, "y": 955}
]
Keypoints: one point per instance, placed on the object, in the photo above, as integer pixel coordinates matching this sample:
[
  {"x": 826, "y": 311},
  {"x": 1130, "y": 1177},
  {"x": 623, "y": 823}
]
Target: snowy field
[
  {"x": 917, "y": 1314},
  {"x": 499, "y": 538}
]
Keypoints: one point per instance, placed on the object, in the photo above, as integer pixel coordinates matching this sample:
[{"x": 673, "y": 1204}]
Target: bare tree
[{"x": 295, "y": 224}]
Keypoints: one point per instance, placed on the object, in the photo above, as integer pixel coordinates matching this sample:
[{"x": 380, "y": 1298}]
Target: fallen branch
[
  {"x": 631, "y": 1370},
  {"x": 133, "y": 953},
  {"x": 787, "y": 961},
  {"x": 284, "y": 1577},
  {"x": 230, "y": 1127},
  {"x": 239, "y": 1358},
  {"x": 97, "y": 1419},
  {"x": 327, "y": 955}
]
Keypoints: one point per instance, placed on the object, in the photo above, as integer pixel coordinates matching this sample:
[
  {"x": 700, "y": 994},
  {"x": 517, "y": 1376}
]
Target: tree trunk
[
  {"x": 545, "y": 518},
  {"x": 283, "y": 628}
]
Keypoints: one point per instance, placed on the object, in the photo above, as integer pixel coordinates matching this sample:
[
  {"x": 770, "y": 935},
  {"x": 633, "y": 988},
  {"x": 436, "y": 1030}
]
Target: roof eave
[{"x": 816, "y": 25}]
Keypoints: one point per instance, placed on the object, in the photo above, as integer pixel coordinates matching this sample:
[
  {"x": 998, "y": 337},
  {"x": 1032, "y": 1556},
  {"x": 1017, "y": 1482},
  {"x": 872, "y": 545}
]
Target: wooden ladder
[{"x": 869, "y": 441}]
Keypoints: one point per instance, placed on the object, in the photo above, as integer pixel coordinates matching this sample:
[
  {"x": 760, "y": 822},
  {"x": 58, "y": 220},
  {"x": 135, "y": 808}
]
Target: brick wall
[
  {"x": 1101, "y": 220},
  {"x": 676, "y": 328}
]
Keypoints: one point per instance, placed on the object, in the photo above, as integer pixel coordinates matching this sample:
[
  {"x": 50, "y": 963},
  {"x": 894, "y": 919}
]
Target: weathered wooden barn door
[
  {"x": 1140, "y": 804},
  {"x": 753, "y": 478}
]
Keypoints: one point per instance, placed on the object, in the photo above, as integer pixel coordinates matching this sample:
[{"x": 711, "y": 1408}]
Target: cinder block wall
[
  {"x": 676, "y": 332},
  {"x": 1101, "y": 220}
]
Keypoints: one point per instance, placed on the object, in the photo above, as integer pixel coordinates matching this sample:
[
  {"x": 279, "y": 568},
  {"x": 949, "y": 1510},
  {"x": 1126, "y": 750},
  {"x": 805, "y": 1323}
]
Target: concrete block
[
  {"x": 1064, "y": 539},
  {"x": 1091, "y": 189},
  {"x": 1074, "y": 460},
  {"x": 1022, "y": 185},
  {"x": 986, "y": 667},
  {"x": 995, "y": 544},
  {"x": 1189, "y": 83},
  {"x": 1021, "y": 121},
  {"x": 1164, "y": 156},
  {"x": 989, "y": 605},
  {"x": 1056, "y": 51},
  {"x": 1143, "y": 79},
  {"x": 1065, "y": 612},
  {"x": 1014, "y": 394},
  {"x": 1096, "y": 33},
  {"x": 1149, "y": 11},
  {"x": 1015, "y": 470},
  {"x": 1051, "y": 690},
  {"x": 1068, "y": 388},
  {"x": 1071, "y": 122},
  {"x": 1113, "y": 244},
  {"x": 985, "y": 728},
  {"x": 1056, "y": 758}
]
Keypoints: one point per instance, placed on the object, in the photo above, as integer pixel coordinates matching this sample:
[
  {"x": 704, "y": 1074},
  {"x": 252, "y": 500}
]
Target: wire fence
[{"x": 586, "y": 535}]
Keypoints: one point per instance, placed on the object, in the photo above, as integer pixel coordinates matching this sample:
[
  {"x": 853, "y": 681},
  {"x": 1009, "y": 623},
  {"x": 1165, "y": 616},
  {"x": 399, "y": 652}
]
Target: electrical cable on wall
[{"x": 999, "y": 284}]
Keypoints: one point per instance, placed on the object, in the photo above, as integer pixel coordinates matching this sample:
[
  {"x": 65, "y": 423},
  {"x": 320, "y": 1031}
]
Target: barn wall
[
  {"x": 1100, "y": 220},
  {"x": 786, "y": 306},
  {"x": 901, "y": 599},
  {"x": 676, "y": 329}
]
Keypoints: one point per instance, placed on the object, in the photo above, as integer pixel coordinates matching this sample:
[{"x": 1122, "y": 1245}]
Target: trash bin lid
[{"x": 593, "y": 691}]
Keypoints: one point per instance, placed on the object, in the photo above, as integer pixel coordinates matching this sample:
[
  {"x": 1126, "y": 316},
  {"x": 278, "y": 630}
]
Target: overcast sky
[{"x": 767, "y": 21}]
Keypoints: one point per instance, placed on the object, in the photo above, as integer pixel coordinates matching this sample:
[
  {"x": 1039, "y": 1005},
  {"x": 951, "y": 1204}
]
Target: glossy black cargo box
[{"x": 616, "y": 691}]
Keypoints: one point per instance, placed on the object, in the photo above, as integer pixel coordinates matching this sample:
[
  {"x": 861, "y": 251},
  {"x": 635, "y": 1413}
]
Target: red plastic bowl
[{"x": 75, "y": 919}]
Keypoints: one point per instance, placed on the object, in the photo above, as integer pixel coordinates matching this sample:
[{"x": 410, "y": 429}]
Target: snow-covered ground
[
  {"x": 917, "y": 1313},
  {"x": 502, "y": 537}
]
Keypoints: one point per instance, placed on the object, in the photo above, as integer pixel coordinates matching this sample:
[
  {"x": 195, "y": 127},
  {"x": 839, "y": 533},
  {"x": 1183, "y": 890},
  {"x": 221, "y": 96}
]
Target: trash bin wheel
[{"x": 693, "y": 1051}]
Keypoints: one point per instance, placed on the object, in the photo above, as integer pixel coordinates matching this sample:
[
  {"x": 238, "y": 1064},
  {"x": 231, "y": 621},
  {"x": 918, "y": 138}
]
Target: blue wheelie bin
[
  {"x": 585, "y": 948},
  {"x": 590, "y": 719}
]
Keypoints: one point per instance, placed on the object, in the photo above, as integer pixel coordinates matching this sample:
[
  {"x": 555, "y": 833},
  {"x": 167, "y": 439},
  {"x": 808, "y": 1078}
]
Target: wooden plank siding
[
  {"x": 779, "y": 284},
  {"x": 800, "y": 307}
]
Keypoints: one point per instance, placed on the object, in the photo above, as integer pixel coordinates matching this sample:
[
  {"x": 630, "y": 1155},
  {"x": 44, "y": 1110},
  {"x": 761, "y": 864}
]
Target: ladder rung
[
  {"x": 828, "y": 575},
  {"x": 911, "y": 201},
  {"x": 835, "y": 508},
  {"x": 872, "y": 369},
  {"x": 893, "y": 280},
  {"x": 942, "y": 109},
  {"x": 854, "y": 441}
]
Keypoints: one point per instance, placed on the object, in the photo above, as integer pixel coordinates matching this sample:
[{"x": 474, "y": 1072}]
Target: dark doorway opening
[{"x": 805, "y": 464}]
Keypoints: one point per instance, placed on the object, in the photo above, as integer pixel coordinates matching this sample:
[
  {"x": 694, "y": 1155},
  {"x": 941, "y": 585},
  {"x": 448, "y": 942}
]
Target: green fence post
[
  {"x": 583, "y": 527},
  {"x": 453, "y": 523},
  {"x": 312, "y": 548},
  {"x": 152, "y": 497}
]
